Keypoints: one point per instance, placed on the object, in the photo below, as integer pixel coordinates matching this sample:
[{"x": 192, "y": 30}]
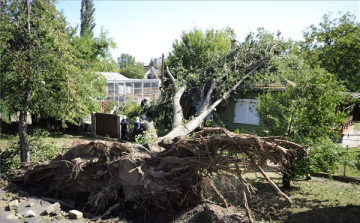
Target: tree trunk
[
  {"x": 286, "y": 181},
  {"x": 183, "y": 130},
  {"x": 24, "y": 146}
]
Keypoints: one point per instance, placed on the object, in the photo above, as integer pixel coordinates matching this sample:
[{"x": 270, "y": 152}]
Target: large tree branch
[
  {"x": 196, "y": 122},
  {"x": 206, "y": 102},
  {"x": 177, "y": 108},
  {"x": 171, "y": 76}
]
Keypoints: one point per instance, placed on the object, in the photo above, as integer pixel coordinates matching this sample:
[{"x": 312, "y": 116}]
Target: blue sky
[{"x": 146, "y": 29}]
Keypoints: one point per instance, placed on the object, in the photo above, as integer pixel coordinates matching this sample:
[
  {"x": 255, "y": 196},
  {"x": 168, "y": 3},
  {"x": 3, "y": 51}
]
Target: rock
[
  {"x": 74, "y": 214},
  {"x": 29, "y": 214},
  {"x": 12, "y": 216},
  {"x": 19, "y": 215},
  {"x": 13, "y": 205},
  {"x": 29, "y": 205},
  {"x": 53, "y": 209}
]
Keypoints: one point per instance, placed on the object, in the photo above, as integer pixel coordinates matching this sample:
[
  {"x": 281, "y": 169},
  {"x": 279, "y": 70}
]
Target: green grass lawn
[
  {"x": 57, "y": 140},
  {"x": 357, "y": 125},
  {"x": 350, "y": 171},
  {"x": 318, "y": 200},
  {"x": 42, "y": 147}
]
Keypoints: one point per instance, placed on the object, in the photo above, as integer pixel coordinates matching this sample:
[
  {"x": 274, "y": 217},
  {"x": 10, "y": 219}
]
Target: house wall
[{"x": 228, "y": 113}]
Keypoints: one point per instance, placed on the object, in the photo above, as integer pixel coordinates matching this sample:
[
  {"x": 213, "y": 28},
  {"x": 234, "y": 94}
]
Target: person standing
[
  {"x": 124, "y": 128},
  {"x": 137, "y": 127}
]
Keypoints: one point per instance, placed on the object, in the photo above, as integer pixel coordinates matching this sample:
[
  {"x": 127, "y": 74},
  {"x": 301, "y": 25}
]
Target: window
[{"x": 245, "y": 112}]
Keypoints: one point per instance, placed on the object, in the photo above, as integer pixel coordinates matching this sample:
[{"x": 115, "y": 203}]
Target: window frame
[{"x": 247, "y": 121}]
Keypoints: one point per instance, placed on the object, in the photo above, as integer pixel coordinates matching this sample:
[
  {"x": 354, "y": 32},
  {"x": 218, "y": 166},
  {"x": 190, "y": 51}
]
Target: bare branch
[{"x": 171, "y": 76}]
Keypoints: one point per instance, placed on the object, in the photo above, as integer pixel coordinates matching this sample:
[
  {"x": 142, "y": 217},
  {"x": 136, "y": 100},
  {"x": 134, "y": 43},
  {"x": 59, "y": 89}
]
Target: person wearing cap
[
  {"x": 124, "y": 128},
  {"x": 137, "y": 127}
]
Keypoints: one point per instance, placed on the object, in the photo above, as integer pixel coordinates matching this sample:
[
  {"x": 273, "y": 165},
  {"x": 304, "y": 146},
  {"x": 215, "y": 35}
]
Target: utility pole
[{"x": 162, "y": 73}]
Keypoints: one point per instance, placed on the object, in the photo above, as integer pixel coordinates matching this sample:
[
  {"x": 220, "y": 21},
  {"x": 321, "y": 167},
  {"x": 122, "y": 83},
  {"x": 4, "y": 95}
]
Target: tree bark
[{"x": 24, "y": 146}]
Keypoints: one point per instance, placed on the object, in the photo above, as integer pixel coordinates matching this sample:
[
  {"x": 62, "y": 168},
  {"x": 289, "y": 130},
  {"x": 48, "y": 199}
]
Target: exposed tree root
[{"x": 111, "y": 173}]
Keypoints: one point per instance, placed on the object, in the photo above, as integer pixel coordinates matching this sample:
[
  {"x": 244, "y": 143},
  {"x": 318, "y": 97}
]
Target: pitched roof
[
  {"x": 153, "y": 73},
  {"x": 112, "y": 76},
  {"x": 273, "y": 85}
]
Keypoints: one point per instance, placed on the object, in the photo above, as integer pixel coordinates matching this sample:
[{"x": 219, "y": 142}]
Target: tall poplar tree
[{"x": 87, "y": 17}]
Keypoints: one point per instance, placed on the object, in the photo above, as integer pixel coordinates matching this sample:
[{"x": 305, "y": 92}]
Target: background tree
[
  {"x": 94, "y": 52},
  {"x": 87, "y": 19},
  {"x": 214, "y": 79},
  {"x": 307, "y": 112},
  {"x": 39, "y": 69},
  {"x": 334, "y": 45},
  {"x": 151, "y": 62},
  {"x": 131, "y": 68}
]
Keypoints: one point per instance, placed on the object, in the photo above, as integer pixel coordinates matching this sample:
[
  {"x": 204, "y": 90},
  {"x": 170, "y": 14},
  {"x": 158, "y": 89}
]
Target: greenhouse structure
[{"x": 120, "y": 88}]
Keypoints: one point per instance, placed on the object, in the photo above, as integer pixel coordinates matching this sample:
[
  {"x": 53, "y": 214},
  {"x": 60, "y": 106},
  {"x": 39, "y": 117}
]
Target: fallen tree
[
  {"x": 172, "y": 171},
  {"x": 112, "y": 173}
]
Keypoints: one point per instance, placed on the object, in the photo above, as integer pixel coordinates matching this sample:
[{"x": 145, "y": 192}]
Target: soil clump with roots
[{"x": 130, "y": 180}]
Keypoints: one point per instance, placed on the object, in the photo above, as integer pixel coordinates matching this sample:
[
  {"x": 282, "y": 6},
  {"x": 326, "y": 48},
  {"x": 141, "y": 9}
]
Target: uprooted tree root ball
[{"x": 109, "y": 174}]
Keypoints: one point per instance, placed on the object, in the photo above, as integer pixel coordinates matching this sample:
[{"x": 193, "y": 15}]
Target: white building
[{"x": 120, "y": 88}]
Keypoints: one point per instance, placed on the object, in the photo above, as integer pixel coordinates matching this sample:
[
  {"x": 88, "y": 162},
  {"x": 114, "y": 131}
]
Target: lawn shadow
[
  {"x": 265, "y": 204},
  {"x": 350, "y": 213}
]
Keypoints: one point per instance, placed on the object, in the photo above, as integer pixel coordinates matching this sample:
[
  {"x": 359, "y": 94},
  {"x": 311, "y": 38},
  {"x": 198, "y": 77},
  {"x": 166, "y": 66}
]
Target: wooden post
[
  {"x": 118, "y": 120},
  {"x": 93, "y": 124}
]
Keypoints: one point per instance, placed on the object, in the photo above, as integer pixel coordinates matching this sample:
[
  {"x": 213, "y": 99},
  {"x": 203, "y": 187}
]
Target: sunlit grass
[{"x": 316, "y": 199}]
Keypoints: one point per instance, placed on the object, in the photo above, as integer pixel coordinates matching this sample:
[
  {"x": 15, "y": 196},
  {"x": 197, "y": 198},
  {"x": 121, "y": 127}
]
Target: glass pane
[
  {"x": 128, "y": 90},
  {"x": 252, "y": 115},
  {"x": 137, "y": 91},
  {"x": 138, "y": 85},
  {"x": 121, "y": 89},
  {"x": 155, "y": 85},
  {"x": 137, "y": 99},
  {"x": 121, "y": 98},
  {"x": 147, "y": 85},
  {"x": 110, "y": 86},
  {"x": 240, "y": 112}
]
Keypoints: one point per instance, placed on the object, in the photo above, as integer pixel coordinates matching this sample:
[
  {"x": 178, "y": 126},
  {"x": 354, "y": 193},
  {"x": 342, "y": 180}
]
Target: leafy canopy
[
  {"x": 40, "y": 69},
  {"x": 334, "y": 45},
  {"x": 131, "y": 68},
  {"x": 93, "y": 51},
  {"x": 308, "y": 112}
]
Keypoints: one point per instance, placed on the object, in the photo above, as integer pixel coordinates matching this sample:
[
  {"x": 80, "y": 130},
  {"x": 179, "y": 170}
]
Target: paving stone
[
  {"x": 53, "y": 209},
  {"x": 74, "y": 214},
  {"x": 13, "y": 205},
  {"x": 12, "y": 216},
  {"x": 29, "y": 214},
  {"x": 29, "y": 205}
]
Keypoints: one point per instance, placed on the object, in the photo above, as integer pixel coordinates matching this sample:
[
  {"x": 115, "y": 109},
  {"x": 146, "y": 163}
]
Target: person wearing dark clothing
[
  {"x": 144, "y": 105},
  {"x": 137, "y": 127},
  {"x": 124, "y": 128}
]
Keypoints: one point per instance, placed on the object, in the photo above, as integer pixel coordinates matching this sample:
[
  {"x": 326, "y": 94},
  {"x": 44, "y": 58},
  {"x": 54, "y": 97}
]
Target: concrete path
[{"x": 352, "y": 139}]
